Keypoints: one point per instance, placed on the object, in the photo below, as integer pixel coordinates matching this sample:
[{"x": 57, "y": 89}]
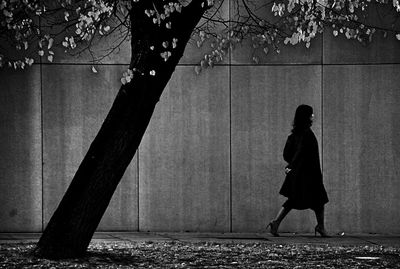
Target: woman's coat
[{"x": 303, "y": 185}]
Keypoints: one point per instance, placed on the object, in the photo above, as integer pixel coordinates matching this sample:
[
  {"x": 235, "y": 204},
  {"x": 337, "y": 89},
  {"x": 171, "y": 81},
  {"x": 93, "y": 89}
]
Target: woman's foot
[
  {"x": 273, "y": 228},
  {"x": 321, "y": 230}
]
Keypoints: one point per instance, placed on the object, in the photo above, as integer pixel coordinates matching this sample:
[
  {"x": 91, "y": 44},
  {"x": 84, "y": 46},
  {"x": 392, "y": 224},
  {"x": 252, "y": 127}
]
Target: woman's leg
[
  {"x": 281, "y": 215},
  {"x": 320, "y": 215},
  {"x": 274, "y": 224}
]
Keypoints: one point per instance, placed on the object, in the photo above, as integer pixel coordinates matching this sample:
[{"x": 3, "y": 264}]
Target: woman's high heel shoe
[
  {"x": 273, "y": 228},
  {"x": 321, "y": 231}
]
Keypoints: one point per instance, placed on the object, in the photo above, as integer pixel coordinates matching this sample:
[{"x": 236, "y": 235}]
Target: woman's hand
[{"x": 287, "y": 170}]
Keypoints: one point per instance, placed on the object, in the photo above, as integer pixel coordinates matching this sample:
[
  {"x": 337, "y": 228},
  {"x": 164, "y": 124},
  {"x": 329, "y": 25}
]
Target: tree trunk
[{"x": 72, "y": 225}]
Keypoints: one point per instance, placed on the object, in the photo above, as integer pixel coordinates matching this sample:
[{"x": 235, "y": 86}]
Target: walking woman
[{"x": 303, "y": 184}]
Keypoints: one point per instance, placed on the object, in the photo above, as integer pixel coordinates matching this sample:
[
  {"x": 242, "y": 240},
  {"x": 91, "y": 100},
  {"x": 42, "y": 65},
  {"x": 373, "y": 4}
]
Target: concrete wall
[
  {"x": 184, "y": 158},
  {"x": 211, "y": 159},
  {"x": 21, "y": 182},
  {"x": 74, "y": 107}
]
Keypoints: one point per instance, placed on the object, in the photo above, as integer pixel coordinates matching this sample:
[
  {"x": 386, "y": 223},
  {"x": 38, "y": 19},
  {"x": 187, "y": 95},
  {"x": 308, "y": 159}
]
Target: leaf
[
  {"x": 51, "y": 41},
  {"x": 255, "y": 59},
  {"x": 94, "y": 70},
  {"x": 398, "y": 36},
  {"x": 197, "y": 69},
  {"x": 50, "y": 58},
  {"x": 29, "y": 61}
]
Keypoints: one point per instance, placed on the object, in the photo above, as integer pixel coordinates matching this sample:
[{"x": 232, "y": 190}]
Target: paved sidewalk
[{"x": 285, "y": 238}]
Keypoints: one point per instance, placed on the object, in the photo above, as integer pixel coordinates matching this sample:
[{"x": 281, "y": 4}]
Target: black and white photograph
[{"x": 199, "y": 134}]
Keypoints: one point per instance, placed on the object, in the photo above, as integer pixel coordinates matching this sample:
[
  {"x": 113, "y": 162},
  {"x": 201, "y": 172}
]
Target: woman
[{"x": 303, "y": 184}]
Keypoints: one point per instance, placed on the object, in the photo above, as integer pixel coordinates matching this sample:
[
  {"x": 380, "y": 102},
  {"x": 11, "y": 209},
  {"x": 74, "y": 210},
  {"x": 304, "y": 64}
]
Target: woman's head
[{"x": 303, "y": 118}]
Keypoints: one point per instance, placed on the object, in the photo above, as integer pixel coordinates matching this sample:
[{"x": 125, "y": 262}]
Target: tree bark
[{"x": 72, "y": 225}]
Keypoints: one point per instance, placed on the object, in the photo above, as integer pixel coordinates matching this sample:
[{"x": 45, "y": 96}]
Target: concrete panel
[
  {"x": 339, "y": 50},
  {"x": 361, "y": 147},
  {"x": 289, "y": 54},
  {"x": 184, "y": 156},
  {"x": 20, "y": 147},
  {"x": 75, "y": 103},
  {"x": 264, "y": 100},
  {"x": 299, "y": 54}
]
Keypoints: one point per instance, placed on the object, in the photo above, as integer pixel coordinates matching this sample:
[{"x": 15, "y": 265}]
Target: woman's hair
[{"x": 302, "y": 118}]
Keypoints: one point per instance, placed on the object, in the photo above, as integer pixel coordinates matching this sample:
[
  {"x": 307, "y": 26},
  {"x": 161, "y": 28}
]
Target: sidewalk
[{"x": 285, "y": 238}]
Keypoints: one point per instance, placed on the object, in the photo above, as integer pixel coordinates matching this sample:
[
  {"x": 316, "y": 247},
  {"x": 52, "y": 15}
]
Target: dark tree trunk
[{"x": 72, "y": 225}]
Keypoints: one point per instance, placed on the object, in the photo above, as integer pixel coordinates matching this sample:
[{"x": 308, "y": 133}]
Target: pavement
[{"x": 385, "y": 240}]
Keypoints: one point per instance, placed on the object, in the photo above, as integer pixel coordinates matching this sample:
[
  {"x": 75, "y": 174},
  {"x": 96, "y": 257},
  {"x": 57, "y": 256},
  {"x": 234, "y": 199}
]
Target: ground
[{"x": 176, "y": 254}]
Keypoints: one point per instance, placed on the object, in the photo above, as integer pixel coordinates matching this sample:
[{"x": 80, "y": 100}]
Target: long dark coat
[{"x": 303, "y": 185}]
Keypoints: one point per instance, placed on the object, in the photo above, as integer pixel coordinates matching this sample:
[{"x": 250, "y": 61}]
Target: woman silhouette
[{"x": 303, "y": 184}]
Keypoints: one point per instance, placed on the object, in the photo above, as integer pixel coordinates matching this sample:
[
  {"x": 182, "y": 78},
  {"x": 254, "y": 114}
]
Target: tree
[{"x": 158, "y": 31}]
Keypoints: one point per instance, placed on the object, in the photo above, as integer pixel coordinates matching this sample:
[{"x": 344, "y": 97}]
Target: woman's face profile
[{"x": 312, "y": 118}]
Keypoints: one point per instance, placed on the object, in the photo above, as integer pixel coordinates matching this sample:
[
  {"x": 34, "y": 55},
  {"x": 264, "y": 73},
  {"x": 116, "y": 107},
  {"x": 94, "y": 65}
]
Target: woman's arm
[
  {"x": 299, "y": 152},
  {"x": 289, "y": 149}
]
